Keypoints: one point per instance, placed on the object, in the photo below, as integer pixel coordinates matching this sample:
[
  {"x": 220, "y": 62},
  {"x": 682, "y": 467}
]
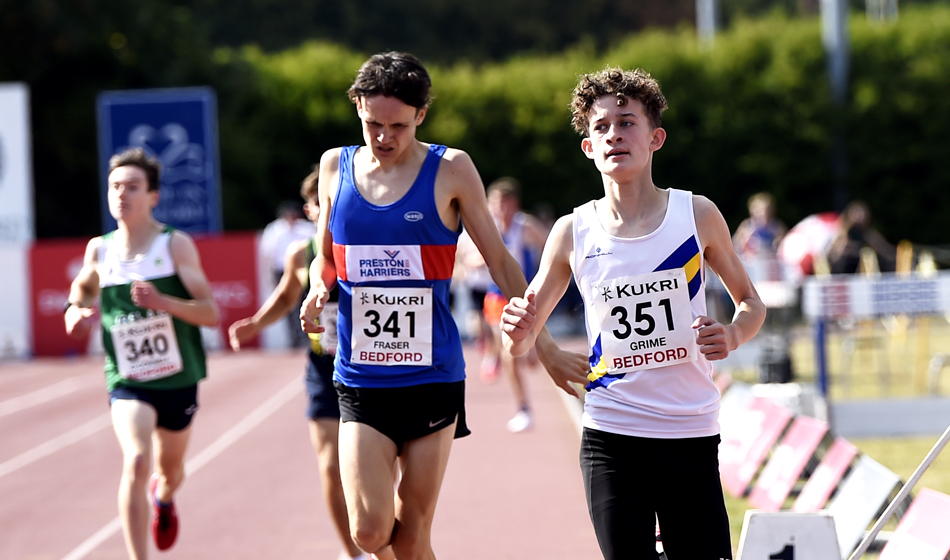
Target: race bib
[
  {"x": 325, "y": 342},
  {"x": 645, "y": 321},
  {"x": 146, "y": 348},
  {"x": 392, "y": 326}
]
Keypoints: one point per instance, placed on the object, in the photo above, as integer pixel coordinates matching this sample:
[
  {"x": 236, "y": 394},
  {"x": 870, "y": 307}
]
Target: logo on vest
[
  {"x": 598, "y": 252},
  {"x": 413, "y": 216}
]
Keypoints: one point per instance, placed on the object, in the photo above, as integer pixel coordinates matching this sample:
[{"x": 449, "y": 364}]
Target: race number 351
[{"x": 645, "y": 320}]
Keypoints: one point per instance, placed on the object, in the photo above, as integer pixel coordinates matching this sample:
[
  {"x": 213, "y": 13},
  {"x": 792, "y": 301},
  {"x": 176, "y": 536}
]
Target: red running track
[{"x": 252, "y": 487}]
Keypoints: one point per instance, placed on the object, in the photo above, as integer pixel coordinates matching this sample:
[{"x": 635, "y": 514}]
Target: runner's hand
[
  {"x": 79, "y": 321},
  {"x": 240, "y": 331},
  {"x": 518, "y": 317},
  {"x": 146, "y": 295},
  {"x": 310, "y": 311},
  {"x": 712, "y": 338},
  {"x": 567, "y": 369}
]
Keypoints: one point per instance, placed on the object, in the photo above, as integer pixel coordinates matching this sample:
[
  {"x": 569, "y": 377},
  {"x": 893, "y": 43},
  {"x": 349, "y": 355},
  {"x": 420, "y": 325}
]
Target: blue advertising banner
[{"x": 179, "y": 127}]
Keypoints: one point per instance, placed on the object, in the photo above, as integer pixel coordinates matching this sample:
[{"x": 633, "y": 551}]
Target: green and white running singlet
[{"x": 146, "y": 348}]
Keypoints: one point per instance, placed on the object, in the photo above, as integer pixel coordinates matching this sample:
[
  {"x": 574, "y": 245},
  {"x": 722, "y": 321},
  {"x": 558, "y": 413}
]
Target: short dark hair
[
  {"x": 393, "y": 74},
  {"x": 137, "y": 157},
  {"x": 506, "y": 186},
  {"x": 622, "y": 84},
  {"x": 289, "y": 208},
  {"x": 309, "y": 185}
]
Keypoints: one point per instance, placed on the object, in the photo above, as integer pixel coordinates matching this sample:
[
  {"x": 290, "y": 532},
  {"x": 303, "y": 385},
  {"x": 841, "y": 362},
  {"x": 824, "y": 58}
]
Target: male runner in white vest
[{"x": 651, "y": 432}]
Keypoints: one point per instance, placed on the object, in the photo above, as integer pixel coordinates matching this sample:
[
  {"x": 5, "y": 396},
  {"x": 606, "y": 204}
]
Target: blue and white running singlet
[{"x": 394, "y": 268}]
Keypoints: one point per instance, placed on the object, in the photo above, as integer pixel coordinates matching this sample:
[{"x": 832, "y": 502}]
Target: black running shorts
[
  {"x": 175, "y": 407},
  {"x": 405, "y": 413}
]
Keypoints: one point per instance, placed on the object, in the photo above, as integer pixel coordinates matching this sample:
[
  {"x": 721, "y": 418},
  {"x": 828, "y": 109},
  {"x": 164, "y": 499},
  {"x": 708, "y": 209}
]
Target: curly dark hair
[
  {"x": 623, "y": 84},
  {"x": 393, "y": 74}
]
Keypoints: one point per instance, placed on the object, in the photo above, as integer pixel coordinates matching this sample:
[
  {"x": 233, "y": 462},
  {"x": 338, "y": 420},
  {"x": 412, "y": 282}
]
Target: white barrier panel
[
  {"x": 16, "y": 171},
  {"x": 845, "y": 295},
  {"x": 893, "y": 417},
  {"x": 859, "y": 499},
  {"x": 15, "y": 326},
  {"x": 788, "y": 536}
]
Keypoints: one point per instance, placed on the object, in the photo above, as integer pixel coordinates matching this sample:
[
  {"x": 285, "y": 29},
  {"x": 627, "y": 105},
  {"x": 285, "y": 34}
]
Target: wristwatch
[{"x": 68, "y": 305}]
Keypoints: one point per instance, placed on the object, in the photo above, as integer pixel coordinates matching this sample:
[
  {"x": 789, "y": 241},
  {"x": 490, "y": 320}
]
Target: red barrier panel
[
  {"x": 827, "y": 475},
  {"x": 787, "y": 462},
  {"x": 53, "y": 265},
  {"x": 742, "y": 452},
  {"x": 229, "y": 261}
]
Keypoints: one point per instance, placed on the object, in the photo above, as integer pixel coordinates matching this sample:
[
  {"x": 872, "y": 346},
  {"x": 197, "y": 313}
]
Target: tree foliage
[{"x": 749, "y": 112}]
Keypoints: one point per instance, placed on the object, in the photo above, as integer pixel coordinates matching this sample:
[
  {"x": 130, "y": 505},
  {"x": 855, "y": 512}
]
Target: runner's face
[
  {"x": 502, "y": 207},
  {"x": 312, "y": 208},
  {"x": 621, "y": 139},
  {"x": 389, "y": 125},
  {"x": 129, "y": 197}
]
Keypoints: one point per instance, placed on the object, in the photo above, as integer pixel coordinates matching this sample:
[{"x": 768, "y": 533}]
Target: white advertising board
[
  {"x": 16, "y": 219},
  {"x": 15, "y": 327},
  {"x": 16, "y": 167}
]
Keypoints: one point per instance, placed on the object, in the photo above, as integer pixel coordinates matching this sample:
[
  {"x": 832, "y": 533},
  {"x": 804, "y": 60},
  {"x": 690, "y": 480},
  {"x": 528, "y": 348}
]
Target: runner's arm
[
  {"x": 323, "y": 268},
  {"x": 83, "y": 293},
  {"x": 280, "y": 302},
  {"x": 522, "y": 322},
  {"x": 716, "y": 340},
  {"x": 469, "y": 193},
  {"x": 201, "y": 310}
]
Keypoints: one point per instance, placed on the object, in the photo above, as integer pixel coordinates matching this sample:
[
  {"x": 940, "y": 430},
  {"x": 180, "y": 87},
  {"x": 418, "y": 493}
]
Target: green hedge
[{"x": 750, "y": 112}]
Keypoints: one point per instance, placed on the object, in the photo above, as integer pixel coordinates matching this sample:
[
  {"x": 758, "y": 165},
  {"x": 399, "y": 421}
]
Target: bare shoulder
[
  {"x": 703, "y": 207},
  {"x": 458, "y": 178},
  {"x": 330, "y": 160},
  {"x": 709, "y": 219},
  {"x": 92, "y": 250},
  {"x": 90, "y": 259},
  {"x": 457, "y": 168},
  {"x": 297, "y": 253},
  {"x": 714, "y": 234},
  {"x": 564, "y": 226},
  {"x": 184, "y": 250},
  {"x": 561, "y": 238},
  {"x": 329, "y": 175},
  {"x": 455, "y": 156},
  {"x": 299, "y": 247}
]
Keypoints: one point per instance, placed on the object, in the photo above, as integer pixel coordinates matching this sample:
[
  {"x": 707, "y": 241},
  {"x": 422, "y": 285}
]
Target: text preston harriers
[{"x": 370, "y": 268}]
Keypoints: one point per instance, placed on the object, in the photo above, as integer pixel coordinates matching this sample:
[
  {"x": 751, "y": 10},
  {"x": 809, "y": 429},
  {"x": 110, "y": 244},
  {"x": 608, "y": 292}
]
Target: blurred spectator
[
  {"x": 759, "y": 235},
  {"x": 289, "y": 227},
  {"x": 855, "y": 232},
  {"x": 806, "y": 244},
  {"x": 524, "y": 236}
]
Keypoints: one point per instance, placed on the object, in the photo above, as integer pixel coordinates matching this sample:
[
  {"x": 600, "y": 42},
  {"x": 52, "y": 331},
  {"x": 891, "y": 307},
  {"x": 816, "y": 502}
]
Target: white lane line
[
  {"x": 55, "y": 444},
  {"x": 47, "y": 394},
  {"x": 217, "y": 447}
]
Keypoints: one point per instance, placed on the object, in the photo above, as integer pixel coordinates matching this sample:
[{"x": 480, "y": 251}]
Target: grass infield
[{"x": 890, "y": 359}]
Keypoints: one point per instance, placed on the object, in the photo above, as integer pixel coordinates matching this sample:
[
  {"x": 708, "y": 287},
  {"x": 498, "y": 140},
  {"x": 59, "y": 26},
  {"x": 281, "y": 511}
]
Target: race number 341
[{"x": 392, "y": 326}]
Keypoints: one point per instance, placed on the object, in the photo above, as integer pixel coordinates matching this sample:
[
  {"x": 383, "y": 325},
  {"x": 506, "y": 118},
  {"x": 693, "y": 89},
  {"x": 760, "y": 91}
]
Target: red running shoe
[{"x": 164, "y": 519}]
